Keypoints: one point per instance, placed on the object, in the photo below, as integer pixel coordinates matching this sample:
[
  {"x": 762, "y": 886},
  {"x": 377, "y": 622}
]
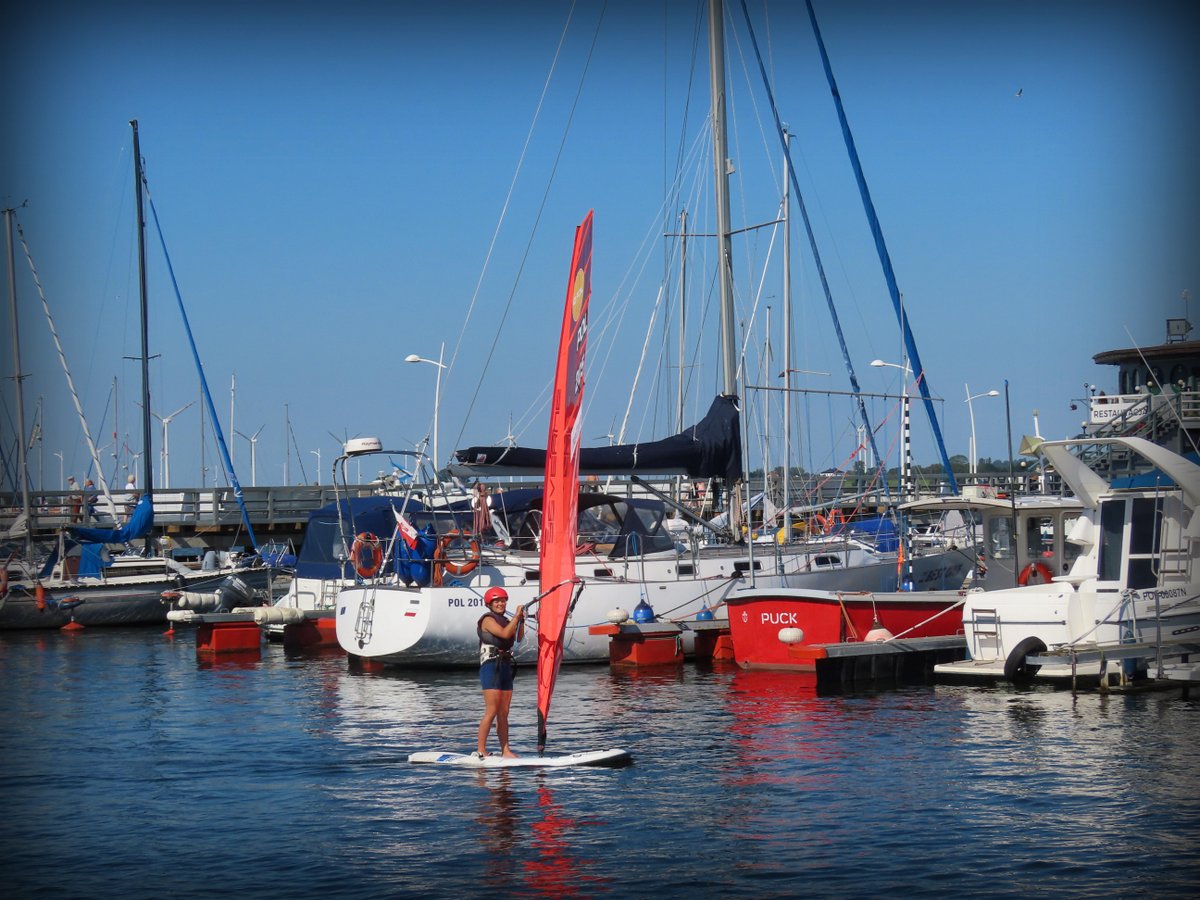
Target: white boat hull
[{"x": 435, "y": 626}]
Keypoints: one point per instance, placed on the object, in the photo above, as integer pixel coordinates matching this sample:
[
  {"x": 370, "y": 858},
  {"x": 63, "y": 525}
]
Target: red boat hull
[{"x": 756, "y": 618}]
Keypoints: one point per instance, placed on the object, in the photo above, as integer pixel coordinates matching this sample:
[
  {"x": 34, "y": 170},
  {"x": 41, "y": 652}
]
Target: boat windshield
[{"x": 607, "y": 526}]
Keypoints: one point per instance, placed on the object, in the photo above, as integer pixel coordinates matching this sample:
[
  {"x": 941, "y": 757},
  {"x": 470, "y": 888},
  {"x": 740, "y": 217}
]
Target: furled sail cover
[
  {"x": 141, "y": 520},
  {"x": 709, "y": 449}
]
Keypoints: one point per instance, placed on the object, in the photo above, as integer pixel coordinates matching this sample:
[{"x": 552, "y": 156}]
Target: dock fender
[{"x": 1015, "y": 668}]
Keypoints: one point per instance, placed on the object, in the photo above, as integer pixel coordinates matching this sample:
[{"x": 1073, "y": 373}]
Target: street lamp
[
  {"x": 437, "y": 396},
  {"x": 971, "y": 413},
  {"x": 905, "y": 442},
  {"x": 62, "y": 485},
  {"x": 317, "y": 454}
]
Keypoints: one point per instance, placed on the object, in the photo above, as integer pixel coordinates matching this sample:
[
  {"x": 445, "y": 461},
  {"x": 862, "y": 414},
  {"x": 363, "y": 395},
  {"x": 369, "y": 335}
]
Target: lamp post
[
  {"x": 905, "y": 442},
  {"x": 971, "y": 413},
  {"x": 437, "y": 397},
  {"x": 317, "y": 454},
  {"x": 62, "y": 485}
]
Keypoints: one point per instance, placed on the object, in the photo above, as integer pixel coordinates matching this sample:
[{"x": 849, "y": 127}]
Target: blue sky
[{"x": 341, "y": 186}]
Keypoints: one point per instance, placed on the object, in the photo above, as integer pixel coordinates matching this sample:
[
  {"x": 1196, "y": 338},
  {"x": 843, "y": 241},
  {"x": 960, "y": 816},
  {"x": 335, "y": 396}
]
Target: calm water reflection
[{"x": 132, "y": 769}]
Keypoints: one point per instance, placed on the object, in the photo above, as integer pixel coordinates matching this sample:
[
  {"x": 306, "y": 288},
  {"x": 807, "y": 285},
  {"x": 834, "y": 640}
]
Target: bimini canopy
[
  {"x": 325, "y": 550},
  {"x": 709, "y": 449}
]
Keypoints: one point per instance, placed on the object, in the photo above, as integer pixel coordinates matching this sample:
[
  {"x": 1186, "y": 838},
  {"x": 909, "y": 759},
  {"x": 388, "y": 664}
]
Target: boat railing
[{"x": 1157, "y": 417}]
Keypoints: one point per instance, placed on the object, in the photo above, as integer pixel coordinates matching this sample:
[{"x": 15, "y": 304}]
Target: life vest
[{"x": 492, "y": 646}]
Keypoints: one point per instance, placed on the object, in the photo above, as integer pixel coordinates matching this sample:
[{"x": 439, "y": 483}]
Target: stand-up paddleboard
[{"x": 610, "y": 758}]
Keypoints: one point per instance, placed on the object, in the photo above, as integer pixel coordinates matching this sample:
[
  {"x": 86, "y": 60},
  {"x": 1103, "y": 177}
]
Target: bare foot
[{"x": 508, "y": 754}]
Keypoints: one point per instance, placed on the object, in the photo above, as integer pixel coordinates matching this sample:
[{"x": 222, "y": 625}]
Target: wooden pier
[{"x": 198, "y": 518}]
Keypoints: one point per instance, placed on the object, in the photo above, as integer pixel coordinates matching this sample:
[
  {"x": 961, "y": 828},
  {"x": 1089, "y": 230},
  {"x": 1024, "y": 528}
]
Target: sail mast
[
  {"x": 885, "y": 260},
  {"x": 716, "y": 72},
  {"x": 147, "y": 462},
  {"x": 22, "y": 462}
]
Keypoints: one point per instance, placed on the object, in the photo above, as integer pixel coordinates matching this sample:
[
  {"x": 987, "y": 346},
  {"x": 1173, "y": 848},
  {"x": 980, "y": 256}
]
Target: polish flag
[{"x": 407, "y": 531}]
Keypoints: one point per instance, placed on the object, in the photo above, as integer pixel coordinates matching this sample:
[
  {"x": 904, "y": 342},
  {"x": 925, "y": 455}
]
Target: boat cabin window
[
  {"x": 642, "y": 530},
  {"x": 999, "y": 537},
  {"x": 622, "y": 528},
  {"x": 1039, "y": 541},
  {"x": 1144, "y": 543},
  {"x": 1112, "y": 531}
]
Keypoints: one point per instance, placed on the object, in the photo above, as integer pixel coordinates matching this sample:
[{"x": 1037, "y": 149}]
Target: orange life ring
[
  {"x": 365, "y": 542},
  {"x": 834, "y": 519},
  {"x": 452, "y": 538},
  {"x": 822, "y": 522},
  {"x": 1027, "y": 573}
]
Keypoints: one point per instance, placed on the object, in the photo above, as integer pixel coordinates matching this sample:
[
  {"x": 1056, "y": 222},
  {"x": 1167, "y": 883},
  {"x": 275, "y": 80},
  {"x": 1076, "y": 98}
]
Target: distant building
[{"x": 1157, "y": 394}]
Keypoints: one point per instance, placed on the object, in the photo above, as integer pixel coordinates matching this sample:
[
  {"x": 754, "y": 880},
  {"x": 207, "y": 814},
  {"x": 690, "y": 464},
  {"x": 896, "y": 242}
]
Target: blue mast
[
  {"x": 212, "y": 410},
  {"x": 812, "y": 243},
  {"x": 884, "y": 257}
]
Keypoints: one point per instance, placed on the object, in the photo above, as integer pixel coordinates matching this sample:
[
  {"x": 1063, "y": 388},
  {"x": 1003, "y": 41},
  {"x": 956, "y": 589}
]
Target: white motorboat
[{"x": 1131, "y": 594}]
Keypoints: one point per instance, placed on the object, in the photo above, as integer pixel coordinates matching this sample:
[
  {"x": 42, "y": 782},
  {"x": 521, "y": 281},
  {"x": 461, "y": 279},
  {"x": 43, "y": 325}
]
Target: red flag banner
[
  {"x": 560, "y": 505},
  {"x": 407, "y": 531}
]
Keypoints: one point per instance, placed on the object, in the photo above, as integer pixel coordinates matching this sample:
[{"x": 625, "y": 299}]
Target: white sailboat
[
  {"x": 627, "y": 556},
  {"x": 80, "y": 583}
]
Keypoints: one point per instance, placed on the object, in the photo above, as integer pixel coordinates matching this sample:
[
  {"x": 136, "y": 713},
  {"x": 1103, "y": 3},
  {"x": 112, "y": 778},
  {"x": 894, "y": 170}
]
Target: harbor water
[{"x": 132, "y": 769}]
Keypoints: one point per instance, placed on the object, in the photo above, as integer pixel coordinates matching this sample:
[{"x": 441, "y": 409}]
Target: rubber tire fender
[{"x": 1015, "y": 668}]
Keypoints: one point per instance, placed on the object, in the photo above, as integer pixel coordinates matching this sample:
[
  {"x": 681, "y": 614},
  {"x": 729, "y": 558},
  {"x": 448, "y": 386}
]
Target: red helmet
[{"x": 494, "y": 594}]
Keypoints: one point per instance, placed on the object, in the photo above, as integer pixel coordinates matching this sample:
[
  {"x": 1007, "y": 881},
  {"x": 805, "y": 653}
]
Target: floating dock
[
  {"x": 1171, "y": 662},
  {"x": 242, "y": 630},
  {"x": 872, "y": 663},
  {"x": 858, "y": 664},
  {"x": 662, "y": 643}
]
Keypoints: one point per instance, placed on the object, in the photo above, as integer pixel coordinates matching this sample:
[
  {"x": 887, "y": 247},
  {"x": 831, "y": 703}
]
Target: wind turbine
[
  {"x": 611, "y": 437},
  {"x": 166, "y": 445},
  {"x": 253, "y": 439}
]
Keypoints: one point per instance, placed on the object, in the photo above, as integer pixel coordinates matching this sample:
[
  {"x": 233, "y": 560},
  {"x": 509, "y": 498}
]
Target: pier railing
[{"x": 187, "y": 508}]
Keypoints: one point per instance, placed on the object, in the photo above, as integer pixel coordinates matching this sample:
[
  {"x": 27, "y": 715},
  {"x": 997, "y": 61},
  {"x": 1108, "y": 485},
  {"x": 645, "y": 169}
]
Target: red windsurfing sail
[{"x": 561, "y": 503}]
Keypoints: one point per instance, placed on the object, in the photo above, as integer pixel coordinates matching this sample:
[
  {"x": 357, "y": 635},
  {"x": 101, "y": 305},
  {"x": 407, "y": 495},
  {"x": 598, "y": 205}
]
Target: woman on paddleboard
[{"x": 497, "y": 634}]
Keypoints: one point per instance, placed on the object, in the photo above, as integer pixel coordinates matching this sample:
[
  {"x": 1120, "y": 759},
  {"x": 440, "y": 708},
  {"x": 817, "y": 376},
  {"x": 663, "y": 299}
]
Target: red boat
[{"x": 773, "y": 628}]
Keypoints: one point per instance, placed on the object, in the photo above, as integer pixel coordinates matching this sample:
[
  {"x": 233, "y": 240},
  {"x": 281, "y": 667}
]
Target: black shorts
[{"x": 497, "y": 675}]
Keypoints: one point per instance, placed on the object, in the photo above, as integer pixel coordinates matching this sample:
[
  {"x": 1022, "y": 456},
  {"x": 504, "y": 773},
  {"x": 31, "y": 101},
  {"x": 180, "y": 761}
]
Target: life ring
[
  {"x": 821, "y": 522},
  {"x": 366, "y": 543},
  {"x": 1027, "y": 573},
  {"x": 834, "y": 519},
  {"x": 457, "y": 540}
]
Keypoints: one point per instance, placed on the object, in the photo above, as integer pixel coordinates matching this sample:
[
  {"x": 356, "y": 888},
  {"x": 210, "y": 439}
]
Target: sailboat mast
[
  {"x": 716, "y": 69},
  {"x": 147, "y": 462},
  {"x": 22, "y": 462},
  {"x": 787, "y": 344}
]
